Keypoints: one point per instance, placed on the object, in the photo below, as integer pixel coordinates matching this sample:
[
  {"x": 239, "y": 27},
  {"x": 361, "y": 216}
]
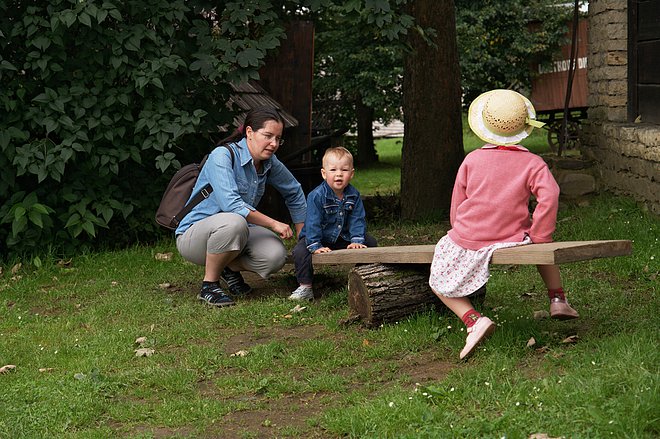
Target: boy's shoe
[
  {"x": 561, "y": 310},
  {"x": 215, "y": 296},
  {"x": 235, "y": 283},
  {"x": 476, "y": 334},
  {"x": 302, "y": 293}
]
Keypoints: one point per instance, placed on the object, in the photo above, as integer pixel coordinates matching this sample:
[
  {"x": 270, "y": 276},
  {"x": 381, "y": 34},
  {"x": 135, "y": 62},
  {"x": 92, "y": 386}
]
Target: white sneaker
[{"x": 302, "y": 293}]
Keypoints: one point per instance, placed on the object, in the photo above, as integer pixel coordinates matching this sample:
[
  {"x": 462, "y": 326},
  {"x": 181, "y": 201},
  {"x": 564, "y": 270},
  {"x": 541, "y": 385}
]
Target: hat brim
[{"x": 476, "y": 122}]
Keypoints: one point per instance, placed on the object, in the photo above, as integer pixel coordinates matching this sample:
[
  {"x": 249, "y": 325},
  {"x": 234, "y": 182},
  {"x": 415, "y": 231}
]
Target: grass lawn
[{"x": 261, "y": 370}]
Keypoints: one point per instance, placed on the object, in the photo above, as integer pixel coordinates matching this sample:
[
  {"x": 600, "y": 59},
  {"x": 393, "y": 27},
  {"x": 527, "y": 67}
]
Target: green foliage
[
  {"x": 498, "y": 39},
  {"x": 359, "y": 50},
  {"x": 100, "y": 98}
]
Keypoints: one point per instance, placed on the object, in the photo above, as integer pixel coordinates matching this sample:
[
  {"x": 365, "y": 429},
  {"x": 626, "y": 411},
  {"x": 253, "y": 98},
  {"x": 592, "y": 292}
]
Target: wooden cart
[{"x": 549, "y": 92}]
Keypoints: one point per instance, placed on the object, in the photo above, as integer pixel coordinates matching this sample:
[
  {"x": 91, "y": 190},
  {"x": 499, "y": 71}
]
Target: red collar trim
[{"x": 505, "y": 147}]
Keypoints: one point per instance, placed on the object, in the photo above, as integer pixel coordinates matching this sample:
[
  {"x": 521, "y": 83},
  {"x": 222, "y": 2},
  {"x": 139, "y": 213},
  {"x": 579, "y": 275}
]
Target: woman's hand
[
  {"x": 356, "y": 245},
  {"x": 283, "y": 230}
]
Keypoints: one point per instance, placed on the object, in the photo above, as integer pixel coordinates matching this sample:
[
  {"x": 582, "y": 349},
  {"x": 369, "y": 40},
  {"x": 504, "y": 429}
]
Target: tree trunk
[
  {"x": 381, "y": 293},
  {"x": 366, "y": 151},
  {"x": 433, "y": 137},
  {"x": 385, "y": 293}
]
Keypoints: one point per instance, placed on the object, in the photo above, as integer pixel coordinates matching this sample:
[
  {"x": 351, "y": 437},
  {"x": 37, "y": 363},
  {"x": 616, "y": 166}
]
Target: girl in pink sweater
[{"x": 489, "y": 210}]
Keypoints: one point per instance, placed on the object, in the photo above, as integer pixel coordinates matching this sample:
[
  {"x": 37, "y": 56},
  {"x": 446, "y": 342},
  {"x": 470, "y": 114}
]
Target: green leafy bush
[{"x": 103, "y": 100}]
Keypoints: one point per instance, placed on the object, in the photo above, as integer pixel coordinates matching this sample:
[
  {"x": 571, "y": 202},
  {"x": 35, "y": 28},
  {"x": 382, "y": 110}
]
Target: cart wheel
[{"x": 555, "y": 135}]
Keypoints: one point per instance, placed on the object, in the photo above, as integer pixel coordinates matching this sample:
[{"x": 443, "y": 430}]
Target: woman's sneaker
[
  {"x": 235, "y": 283},
  {"x": 302, "y": 293},
  {"x": 215, "y": 296}
]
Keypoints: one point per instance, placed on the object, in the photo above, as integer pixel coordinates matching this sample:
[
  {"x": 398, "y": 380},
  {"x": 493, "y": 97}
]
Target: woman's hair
[{"x": 255, "y": 118}]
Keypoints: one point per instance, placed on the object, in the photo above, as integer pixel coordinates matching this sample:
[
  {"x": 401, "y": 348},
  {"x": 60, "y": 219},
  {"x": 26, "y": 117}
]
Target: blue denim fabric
[
  {"x": 329, "y": 218},
  {"x": 239, "y": 188}
]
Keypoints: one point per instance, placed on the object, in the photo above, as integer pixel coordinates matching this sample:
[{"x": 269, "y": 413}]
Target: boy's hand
[
  {"x": 322, "y": 250},
  {"x": 356, "y": 245}
]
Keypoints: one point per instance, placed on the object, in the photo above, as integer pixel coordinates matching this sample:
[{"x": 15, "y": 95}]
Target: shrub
[{"x": 102, "y": 101}]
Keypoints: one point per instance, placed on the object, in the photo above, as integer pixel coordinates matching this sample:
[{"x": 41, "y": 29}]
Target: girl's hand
[
  {"x": 283, "y": 230},
  {"x": 356, "y": 245},
  {"x": 322, "y": 250}
]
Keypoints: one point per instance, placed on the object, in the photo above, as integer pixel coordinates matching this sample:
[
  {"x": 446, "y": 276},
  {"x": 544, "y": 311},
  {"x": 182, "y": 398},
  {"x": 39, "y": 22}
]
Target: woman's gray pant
[{"x": 261, "y": 251}]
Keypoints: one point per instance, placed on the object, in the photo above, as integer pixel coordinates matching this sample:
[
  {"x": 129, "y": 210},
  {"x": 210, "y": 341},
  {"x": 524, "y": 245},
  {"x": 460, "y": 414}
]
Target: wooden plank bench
[
  {"x": 543, "y": 254},
  {"x": 392, "y": 282}
]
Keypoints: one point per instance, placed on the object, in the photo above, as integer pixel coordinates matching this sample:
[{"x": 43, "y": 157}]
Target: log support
[{"x": 385, "y": 293}]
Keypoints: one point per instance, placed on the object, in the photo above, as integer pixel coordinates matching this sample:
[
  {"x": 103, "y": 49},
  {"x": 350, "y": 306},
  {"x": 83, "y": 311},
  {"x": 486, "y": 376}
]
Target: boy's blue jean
[{"x": 302, "y": 258}]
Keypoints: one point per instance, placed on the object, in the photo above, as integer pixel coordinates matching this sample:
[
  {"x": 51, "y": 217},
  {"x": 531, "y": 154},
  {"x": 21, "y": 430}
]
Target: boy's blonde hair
[{"x": 339, "y": 152}]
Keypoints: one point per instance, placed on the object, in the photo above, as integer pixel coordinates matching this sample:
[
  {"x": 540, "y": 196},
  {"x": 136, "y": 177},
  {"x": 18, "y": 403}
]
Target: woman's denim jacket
[
  {"x": 329, "y": 218},
  {"x": 238, "y": 188}
]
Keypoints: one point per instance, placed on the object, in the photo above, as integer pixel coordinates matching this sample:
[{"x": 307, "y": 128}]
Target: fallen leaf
[
  {"x": 239, "y": 354},
  {"x": 531, "y": 342},
  {"x": 144, "y": 352},
  {"x": 541, "y": 315},
  {"x": 15, "y": 268},
  {"x": 80, "y": 376},
  {"x": 164, "y": 256},
  {"x": 114, "y": 283},
  {"x": 140, "y": 340},
  {"x": 7, "y": 368},
  {"x": 365, "y": 342},
  {"x": 63, "y": 263},
  {"x": 46, "y": 369},
  {"x": 298, "y": 308},
  {"x": 165, "y": 286},
  {"x": 543, "y": 350},
  {"x": 571, "y": 339},
  {"x": 526, "y": 295},
  {"x": 288, "y": 316},
  {"x": 152, "y": 327}
]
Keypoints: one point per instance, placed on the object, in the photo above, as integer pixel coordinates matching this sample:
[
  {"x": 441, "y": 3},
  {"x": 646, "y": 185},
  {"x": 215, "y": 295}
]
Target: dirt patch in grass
[
  {"x": 46, "y": 312},
  {"x": 245, "y": 341},
  {"x": 425, "y": 367},
  {"x": 150, "y": 431},
  {"x": 289, "y": 416}
]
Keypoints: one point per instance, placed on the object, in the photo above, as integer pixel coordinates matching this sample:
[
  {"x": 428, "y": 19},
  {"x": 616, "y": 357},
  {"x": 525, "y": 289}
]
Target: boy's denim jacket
[{"x": 329, "y": 218}]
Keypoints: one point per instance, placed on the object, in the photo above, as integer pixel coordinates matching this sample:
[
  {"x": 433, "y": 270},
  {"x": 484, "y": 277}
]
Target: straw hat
[{"x": 502, "y": 117}]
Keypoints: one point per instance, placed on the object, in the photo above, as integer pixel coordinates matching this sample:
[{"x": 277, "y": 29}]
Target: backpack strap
[{"x": 203, "y": 193}]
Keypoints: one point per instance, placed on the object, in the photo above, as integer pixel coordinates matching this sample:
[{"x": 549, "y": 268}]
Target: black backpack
[{"x": 173, "y": 207}]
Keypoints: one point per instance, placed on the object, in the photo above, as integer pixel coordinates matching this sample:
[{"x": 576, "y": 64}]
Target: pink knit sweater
[{"x": 491, "y": 196}]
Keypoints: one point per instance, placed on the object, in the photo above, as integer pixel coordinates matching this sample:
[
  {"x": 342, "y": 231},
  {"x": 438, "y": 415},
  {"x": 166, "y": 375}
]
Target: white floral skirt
[{"x": 459, "y": 272}]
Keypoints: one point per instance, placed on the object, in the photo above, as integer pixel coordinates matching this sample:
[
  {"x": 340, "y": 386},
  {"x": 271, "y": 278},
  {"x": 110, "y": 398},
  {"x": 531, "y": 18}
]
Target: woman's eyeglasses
[{"x": 270, "y": 137}]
